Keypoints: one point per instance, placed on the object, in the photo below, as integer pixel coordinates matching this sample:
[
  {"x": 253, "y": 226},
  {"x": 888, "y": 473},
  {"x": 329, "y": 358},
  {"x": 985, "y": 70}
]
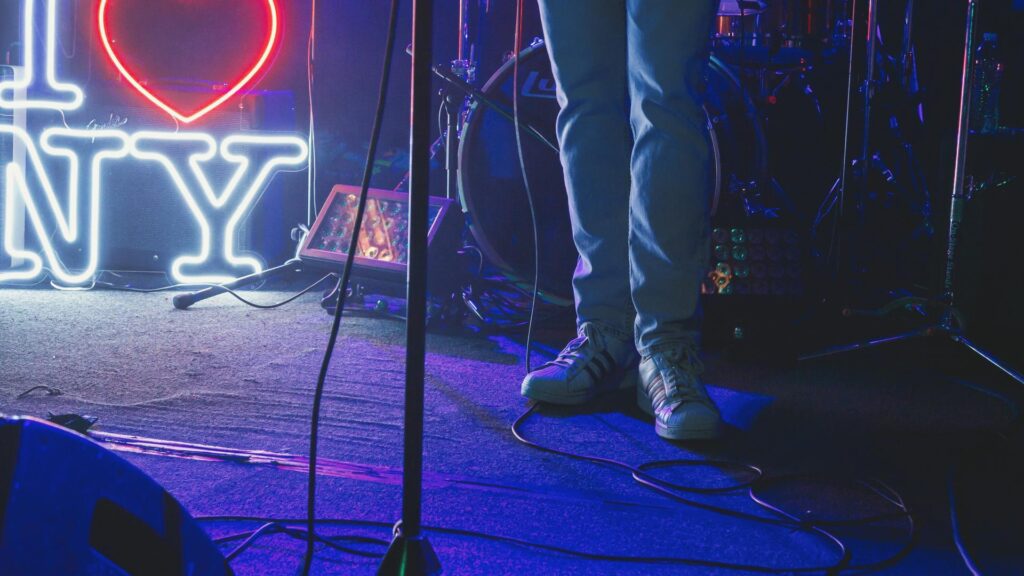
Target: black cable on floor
[
  {"x": 510, "y": 540},
  {"x": 641, "y": 474},
  {"x": 954, "y": 478},
  {"x": 272, "y": 527},
  {"x": 371, "y": 155},
  {"x": 752, "y": 480},
  {"x": 959, "y": 464},
  {"x": 583, "y": 555},
  {"x": 233, "y": 293},
  {"x": 966, "y": 555}
]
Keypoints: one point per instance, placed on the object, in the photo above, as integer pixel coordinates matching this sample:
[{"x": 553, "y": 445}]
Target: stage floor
[{"x": 226, "y": 375}]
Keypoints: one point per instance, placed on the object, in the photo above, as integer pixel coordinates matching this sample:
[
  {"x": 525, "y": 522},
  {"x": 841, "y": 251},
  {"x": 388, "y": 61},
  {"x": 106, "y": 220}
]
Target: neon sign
[
  {"x": 68, "y": 221},
  {"x": 56, "y": 95},
  {"x": 105, "y": 145},
  {"x": 108, "y": 46},
  {"x": 218, "y": 214}
]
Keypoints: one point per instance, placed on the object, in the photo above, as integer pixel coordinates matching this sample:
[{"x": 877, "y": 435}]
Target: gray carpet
[{"x": 227, "y": 375}]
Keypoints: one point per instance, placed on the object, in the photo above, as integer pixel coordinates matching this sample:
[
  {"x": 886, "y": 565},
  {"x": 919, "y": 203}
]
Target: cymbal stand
[
  {"x": 949, "y": 324},
  {"x": 856, "y": 173},
  {"x": 837, "y": 196},
  {"x": 464, "y": 67},
  {"x": 868, "y": 92}
]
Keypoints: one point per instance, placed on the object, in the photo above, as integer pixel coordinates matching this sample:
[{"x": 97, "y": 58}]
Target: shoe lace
[
  {"x": 682, "y": 374},
  {"x": 572, "y": 353}
]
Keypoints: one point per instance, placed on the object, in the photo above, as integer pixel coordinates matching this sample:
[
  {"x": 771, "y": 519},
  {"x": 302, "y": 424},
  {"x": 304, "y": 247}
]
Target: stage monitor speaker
[
  {"x": 69, "y": 506},
  {"x": 381, "y": 254}
]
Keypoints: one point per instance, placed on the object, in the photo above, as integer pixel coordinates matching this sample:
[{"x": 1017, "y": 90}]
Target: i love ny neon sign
[{"x": 67, "y": 221}]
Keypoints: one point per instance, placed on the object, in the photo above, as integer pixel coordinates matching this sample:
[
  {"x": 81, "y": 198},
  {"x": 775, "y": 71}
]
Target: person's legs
[
  {"x": 671, "y": 166},
  {"x": 669, "y": 216},
  {"x": 586, "y": 42}
]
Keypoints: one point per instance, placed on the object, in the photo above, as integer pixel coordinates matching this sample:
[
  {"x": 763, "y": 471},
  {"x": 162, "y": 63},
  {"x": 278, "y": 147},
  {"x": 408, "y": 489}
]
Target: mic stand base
[
  {"x": 409, "y": 556},
  {"x": 947, "y": 327}
]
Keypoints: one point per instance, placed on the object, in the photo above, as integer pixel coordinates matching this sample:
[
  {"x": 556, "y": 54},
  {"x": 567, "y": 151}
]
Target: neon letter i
[{"x": 42, "y": 88}]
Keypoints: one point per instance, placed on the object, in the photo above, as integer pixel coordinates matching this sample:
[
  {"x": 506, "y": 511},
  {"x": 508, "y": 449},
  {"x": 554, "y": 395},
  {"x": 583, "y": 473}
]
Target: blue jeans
[{"x": 637, "y": 159}]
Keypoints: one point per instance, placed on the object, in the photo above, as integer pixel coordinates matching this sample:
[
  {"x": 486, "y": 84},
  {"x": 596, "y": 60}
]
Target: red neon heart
[{"x": 189, "y": 116}]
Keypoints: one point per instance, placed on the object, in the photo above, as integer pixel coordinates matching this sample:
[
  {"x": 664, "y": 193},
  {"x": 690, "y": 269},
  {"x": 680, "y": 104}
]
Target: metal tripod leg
[
  {"x": 865, "y": 344},
  {"x": 986, "y": 356}
]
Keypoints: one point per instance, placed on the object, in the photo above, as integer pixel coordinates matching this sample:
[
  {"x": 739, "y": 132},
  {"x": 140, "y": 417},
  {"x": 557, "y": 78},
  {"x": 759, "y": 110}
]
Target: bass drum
[{"x": 491, "y": 186}]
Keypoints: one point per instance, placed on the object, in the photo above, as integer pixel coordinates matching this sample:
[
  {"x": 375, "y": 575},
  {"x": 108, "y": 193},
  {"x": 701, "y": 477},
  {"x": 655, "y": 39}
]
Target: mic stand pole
[
  {"x": 410, "y": 553},
  {"x": 949, "y": 323}
]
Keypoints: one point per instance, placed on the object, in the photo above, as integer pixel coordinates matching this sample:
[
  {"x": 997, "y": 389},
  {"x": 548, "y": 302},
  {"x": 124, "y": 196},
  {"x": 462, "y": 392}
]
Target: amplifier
[
  {"x": 760, "y": 261},
  {"x": 756, "y": 286},
  {"x": 757, "y": 282},
  {"x": 146, "y": 222},
  {"x": 382, "y": 252}
]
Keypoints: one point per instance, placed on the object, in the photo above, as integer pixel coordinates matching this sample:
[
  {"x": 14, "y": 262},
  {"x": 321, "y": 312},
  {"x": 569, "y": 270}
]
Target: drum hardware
[
  {"x": 465, "y": 63},
  {"x": 867, "y": 185},
  {"x": 474, "y": 95},
  {"x": 740, "y": 7},
  {"x": 908, "y": 61},
  {"x": 451, "y": 107},
  {"x": 949, "y": 323},
  {"x": 777, "y": 33},
  {"x": 838, "y": 16},
  {"x": 868, "y": 92},
  {"x": 463, "y": 67}
]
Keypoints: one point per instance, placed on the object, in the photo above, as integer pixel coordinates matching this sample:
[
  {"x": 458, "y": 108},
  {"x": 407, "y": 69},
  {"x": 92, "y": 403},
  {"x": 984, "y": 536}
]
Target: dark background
[{"x": 351, "y": 34}]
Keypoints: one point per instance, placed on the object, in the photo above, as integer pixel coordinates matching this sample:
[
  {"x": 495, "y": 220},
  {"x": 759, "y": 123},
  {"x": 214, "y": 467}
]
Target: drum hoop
[{"x": 466, "y": 200}]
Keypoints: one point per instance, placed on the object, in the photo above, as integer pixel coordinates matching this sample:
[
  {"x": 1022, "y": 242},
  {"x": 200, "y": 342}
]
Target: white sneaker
[
  {"x": 670, "y": 390},
  {"x": 592, "y": 364}
]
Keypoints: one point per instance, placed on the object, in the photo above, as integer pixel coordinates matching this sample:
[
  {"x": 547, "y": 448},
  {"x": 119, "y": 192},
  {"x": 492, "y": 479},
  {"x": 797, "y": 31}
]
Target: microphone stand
[{"x": 410, "y": 553}]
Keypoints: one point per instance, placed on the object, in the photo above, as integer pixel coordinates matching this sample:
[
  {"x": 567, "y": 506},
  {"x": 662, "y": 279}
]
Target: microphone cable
[
  {"x": 371, "y": 154},
  {"x": 526, "y": 181}
]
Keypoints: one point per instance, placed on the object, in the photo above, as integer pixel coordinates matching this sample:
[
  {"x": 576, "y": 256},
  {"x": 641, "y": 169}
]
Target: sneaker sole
[
  {"x": 687, "y": 434},
  {"x": 644, "y": 403},
  {"x": 625, "y": 381}
]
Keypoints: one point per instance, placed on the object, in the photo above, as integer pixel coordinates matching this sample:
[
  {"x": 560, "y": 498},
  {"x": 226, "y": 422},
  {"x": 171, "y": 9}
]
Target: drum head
[
  {"x": 491, "y": 183},
  {"x": 490, "y": 180}
]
